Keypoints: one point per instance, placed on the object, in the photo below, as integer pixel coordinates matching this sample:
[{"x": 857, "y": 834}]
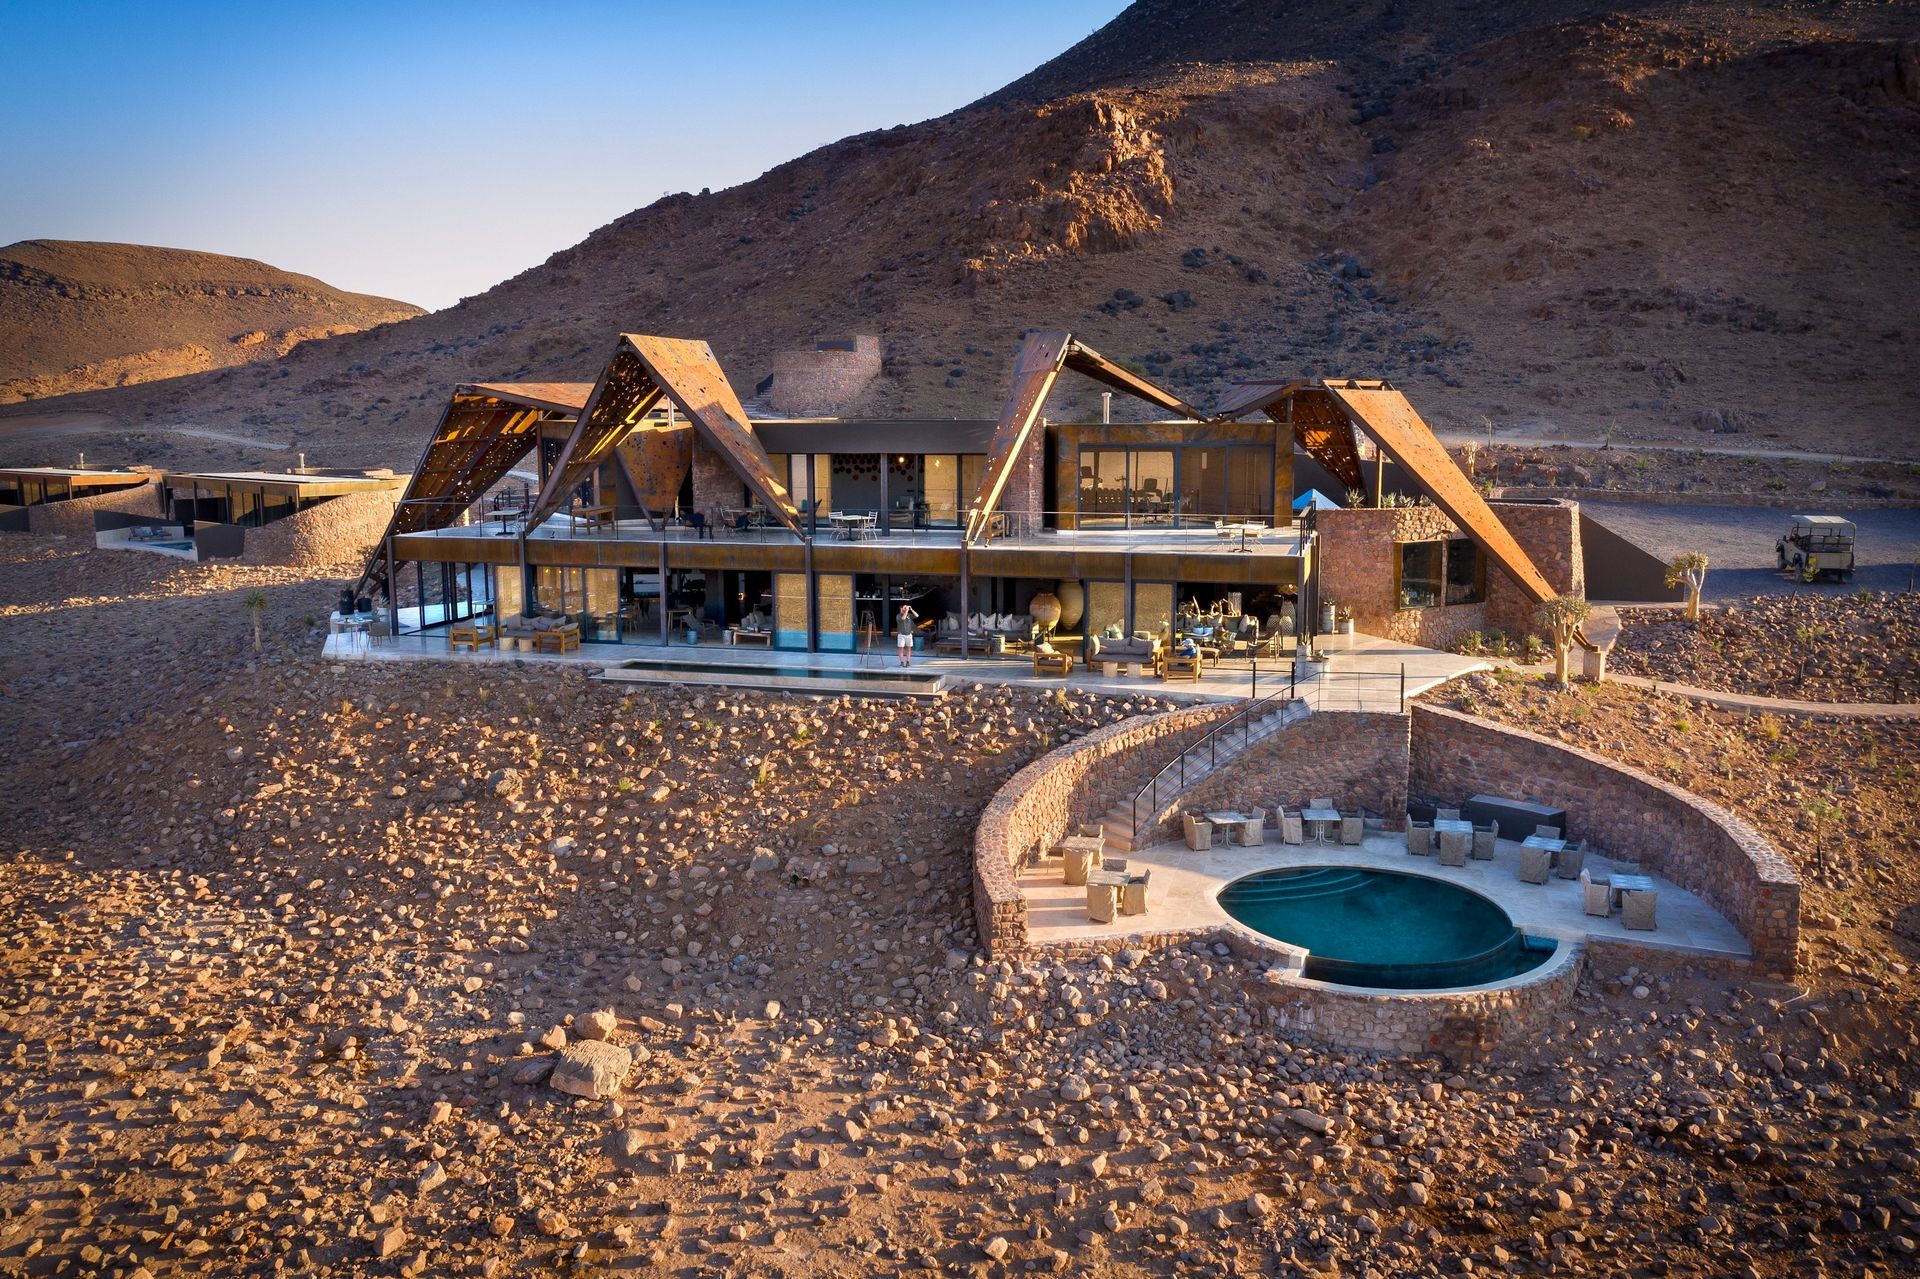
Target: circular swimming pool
[{"x": 1377, "y": 928}]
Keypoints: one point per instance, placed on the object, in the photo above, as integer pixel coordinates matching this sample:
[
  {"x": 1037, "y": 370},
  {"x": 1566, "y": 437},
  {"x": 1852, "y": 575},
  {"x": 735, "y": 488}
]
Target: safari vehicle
[{"x": 1817, "y": 546}]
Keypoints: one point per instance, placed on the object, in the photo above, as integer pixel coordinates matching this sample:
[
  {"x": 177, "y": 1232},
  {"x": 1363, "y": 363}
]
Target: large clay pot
[
  {"x": 1045, "y": 611},
  {"x": 1073, "y": 603}
]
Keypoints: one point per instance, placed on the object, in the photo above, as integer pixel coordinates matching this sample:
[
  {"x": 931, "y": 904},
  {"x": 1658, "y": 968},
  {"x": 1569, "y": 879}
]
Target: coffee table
[{"x": 1321, "y": 819}]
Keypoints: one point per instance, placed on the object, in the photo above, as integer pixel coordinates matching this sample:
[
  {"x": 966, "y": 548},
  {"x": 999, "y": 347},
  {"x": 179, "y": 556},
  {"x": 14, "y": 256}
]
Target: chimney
[
  {"x": 302, "y": 468},
  {"x": 1106, "y": 407},
  {"x": 81, "y": 465}
]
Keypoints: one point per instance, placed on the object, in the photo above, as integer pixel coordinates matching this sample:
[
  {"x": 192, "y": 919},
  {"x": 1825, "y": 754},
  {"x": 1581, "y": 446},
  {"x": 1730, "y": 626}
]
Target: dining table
[
  {"x": 1619, "y": 885},
  {"x": 1322, "y": 819}
]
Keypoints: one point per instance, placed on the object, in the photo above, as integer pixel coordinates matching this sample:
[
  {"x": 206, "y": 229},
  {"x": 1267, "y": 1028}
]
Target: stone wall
[
  {"x": 823, "y": 381},
  {"x": 1463, "y": 1025},
  {"x": 716, "y": 486},
  {"x": 340, "y": 530},
  {"x": 1359, "y": 759},
  {"x": 1625, "y": 814},
  {"x": 1076, "y": 783},
  {"x": 1357, "y": 568},
  {"x": 74, "y": 517}
]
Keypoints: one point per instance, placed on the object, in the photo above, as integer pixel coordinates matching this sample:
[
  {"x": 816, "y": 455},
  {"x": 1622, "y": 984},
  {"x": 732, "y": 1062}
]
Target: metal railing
[
  {"x": 1242, "y": 719},
  {"x": 1379, "y": 691}
]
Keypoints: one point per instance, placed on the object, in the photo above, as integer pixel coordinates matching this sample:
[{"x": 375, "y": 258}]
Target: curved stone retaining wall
[
  {"x": 1626, "y": 814},
  {"x": 74, "y": 517},
  {"x": 340, "y": 530},
  {"x": 1076, "y": 783},
  {"x": 1462, "y": 1024}
]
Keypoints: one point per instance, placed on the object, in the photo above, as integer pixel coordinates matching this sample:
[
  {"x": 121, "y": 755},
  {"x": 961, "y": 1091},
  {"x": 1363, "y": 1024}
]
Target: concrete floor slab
[{"x": 1185, "y": 886}]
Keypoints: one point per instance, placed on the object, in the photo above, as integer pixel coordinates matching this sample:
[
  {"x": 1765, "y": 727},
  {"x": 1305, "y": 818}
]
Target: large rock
[{"x": 592, "y": 1068}]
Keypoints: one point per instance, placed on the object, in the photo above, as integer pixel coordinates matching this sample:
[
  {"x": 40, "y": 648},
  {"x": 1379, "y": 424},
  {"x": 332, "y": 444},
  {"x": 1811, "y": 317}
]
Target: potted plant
[{"x": 1343, "y": 617}]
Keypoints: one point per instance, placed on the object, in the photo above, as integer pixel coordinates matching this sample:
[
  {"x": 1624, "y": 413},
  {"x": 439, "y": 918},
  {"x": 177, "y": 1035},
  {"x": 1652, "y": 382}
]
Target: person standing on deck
[{"x": 903, "y": 633}]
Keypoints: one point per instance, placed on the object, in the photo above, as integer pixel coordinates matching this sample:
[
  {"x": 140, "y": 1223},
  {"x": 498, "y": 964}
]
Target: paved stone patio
[{"x": 1184, "y": 885}]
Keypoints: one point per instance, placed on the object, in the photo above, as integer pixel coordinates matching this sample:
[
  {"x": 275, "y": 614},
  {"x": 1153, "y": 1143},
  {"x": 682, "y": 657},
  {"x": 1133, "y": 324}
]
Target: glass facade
[
  {"x": 1466, "y": 572},
  {"x": 1190, "y": 484},
  {"x": 1418, "y": 574}
]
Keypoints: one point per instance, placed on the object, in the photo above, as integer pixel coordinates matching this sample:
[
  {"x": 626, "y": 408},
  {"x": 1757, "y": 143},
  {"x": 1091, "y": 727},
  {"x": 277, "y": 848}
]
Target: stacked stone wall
[
  {"x": 1463, "y": 1025},
  {"x": 74, "y": 517},
  {"x": 818, "y": 382},
  {"x": 1624, "y": 814},
  {"x": 1046, "y": 800},
  {"x": 340, "y": 530},
  {"x": 716, "y": 486},
  {"x": 1357, "y": 550},
  {"x": 1359, "y": 760}
]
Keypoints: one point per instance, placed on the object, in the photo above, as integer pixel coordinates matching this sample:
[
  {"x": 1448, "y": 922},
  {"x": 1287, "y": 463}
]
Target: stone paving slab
[{"x": 1185, "y": 883}]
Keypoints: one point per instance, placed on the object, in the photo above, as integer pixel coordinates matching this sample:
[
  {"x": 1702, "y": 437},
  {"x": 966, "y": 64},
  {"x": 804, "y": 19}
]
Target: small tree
[
  {"x": 1821, "y": 810},
  {"x": 256, "y": 602},
  {"x": 1689, "y": 568},
  {"x": 1561, "y": 618}
]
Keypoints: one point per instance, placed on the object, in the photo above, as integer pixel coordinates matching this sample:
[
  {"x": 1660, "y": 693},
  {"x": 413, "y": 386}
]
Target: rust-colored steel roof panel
[
  {"x": 693, "y": 379},
  {"x": 1322, "y": 428},
  {"x": 1042, "y": 356},
  {"x": 1084, "y": 360},
  {"x": 1034, "y": 371},
  {"x": 561, "y": 397},
  {"x": 1243, "y": 398},
  {"x": 644, "y": 369},
  {"x": 1386, "y": 417},
  {"x": 622, "y": 396},
  {"x": 656, "y": 460}
]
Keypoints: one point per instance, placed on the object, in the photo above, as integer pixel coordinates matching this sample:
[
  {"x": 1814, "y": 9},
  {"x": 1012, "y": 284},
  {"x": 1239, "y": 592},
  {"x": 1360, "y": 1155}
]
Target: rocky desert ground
[{"x": 445, "y": 970}]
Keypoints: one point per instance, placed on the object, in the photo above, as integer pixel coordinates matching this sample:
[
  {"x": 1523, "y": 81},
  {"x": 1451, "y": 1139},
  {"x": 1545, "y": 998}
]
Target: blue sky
[{"x": 428, "y": 151}]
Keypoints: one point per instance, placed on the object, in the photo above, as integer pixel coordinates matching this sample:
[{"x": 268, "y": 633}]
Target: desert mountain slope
[
  {"x": 1658, "y": 220},
  {"x": 74, "y": 316}
]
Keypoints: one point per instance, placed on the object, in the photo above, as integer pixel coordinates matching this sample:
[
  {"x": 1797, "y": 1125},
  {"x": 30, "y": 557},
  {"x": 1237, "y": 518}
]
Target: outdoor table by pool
[
  {"x": 1620, "y": 884},
  {"x": 1547, "y": 842},
  {"x": 1239, "y": 824},
  {"x": 1107, "y": 878},
  {"x": 1322, "y": 818}
]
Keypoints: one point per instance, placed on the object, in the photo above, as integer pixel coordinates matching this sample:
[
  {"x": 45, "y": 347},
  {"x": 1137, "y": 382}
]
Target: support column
[
  {"x": 813, "y": 604},
  {"x": 965, "y": 597},
  {"x": 666, "y": 631},
  {"x": 886, "y": 507},
  {"x": 1126, "y": 587}
]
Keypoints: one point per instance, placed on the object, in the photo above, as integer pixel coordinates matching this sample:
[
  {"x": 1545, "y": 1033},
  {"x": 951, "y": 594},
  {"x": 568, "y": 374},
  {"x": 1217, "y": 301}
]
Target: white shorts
[{"x": 904, "y": 639}]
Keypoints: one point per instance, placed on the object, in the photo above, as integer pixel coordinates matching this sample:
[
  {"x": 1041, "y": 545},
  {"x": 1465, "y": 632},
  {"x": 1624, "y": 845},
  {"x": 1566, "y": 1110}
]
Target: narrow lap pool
[
  {"x": 1376, "y": 928},
  {"x": 883, "y": 680}
]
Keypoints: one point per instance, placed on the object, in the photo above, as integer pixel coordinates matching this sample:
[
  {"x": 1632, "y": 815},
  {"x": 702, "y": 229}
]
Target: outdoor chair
[
  {"x": 1636, "y": 909},
  {"x": 1533, "y": 865},
  {"x": 1076, "y": 860},
  {"x": 1199, "y": 832},
  {"x": 1446, "y": 814},
  {"x": 1091, "y": 830},
  {"x": 1352, "y": 828},
  {"x": 1547, "y": 832},
  {"x": 1133, "y": 898},
  {"x": 1320, "y": 801},
  {"x": 1100, "y": 903},
  {"x": 1253, "y": 831},
  {"x": 1570, "y": 862},
  {"x": 1293, "y": 830},
  {"x": 1420, "y": 839},
  {"x": 1483, "y": 837},
  {"x": 1596, "y": 898},
  {"x": 1453, "y": 848}
]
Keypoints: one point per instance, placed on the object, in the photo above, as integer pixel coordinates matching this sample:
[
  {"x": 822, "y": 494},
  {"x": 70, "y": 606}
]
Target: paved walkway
[
  {"x": 1777, "y": 705},
  {"x": 1184, "y": 887},
  {"x": 1363, "y": 672}
]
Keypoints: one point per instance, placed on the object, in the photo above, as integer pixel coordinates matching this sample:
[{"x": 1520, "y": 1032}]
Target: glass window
[
  {"x": 1153, "y": 608},
  {"x": 943, "y": 488},
  {"x": 972, "y": 467},
  {"x": 1103, "y": 486},
  {"x": 1106, "y": 608},
  {"x": 1152, "y": 486},
  {"x": 1203, "y": 483},
  {"x": 1419, "y": 574},
  {"x": 244, "y": 507},
  {"x": 1466, "y": 572},
  {"x": 1249, "y": 483},
  {"x": 507, "y": 579}
]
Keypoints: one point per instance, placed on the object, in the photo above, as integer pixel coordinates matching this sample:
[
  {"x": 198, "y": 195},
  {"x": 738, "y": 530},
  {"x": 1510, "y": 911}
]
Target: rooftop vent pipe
[
  {"x": 303, "y": 462},
  {"x": 1106, "y": 408}
]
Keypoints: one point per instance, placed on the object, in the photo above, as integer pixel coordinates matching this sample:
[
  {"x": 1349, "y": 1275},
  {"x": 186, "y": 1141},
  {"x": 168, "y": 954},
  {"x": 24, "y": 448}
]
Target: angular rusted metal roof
[
  {"x": 1390, "y": 421},
  {"x": 561, "y": 397},
  {"x": 1042, "y": 357},
  {"x": 645, "y": 368}
]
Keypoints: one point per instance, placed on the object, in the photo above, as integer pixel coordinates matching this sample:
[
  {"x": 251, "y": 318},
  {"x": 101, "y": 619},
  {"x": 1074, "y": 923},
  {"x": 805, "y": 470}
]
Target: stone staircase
[{"x": 1118, "y": 823}]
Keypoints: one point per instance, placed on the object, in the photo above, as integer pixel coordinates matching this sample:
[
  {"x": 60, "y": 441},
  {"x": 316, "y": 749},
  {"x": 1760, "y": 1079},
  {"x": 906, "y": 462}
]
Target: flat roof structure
[
  {"x": 303, "y": 484},
  {"x": 80, "y": 477}
]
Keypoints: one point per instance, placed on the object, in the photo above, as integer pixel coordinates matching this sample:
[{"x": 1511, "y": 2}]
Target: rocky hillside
[
  {"x": 1654, "y": 221},
  {"x": 76, "y": 316}
]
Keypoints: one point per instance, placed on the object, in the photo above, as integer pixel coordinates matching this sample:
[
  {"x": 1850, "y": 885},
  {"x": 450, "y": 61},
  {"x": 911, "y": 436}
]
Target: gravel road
[{"x": 1739, "y": 542}]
